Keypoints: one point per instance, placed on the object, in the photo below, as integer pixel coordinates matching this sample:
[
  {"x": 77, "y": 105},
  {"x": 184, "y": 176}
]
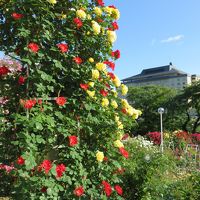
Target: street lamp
[{"x": 161, "y": 111}]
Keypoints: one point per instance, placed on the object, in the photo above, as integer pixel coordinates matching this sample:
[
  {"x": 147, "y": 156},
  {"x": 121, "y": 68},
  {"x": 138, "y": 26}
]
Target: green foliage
[{"x": 149, "y": 99}]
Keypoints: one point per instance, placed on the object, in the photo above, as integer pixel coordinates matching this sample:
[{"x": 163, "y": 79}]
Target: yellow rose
[
  {"x": 124, "y": 103},
  {"x": 130, "y": 110},
  {"x": 101, "y": 66},
  {"x": 105, "y": 102},
  {"x": 90, "y": 93},
  {"x": 118, "y": 144},
  {"x": 96, "y": 27},
  {"x": 120, "y": 125},
  {"x": 98, "y": 11},
  {"x": 100, "y": 156},
  {"x": 116, "y": 118},
  {"x": 114, "y": 104},
  {"x": 117, "y": 82},
  {"x": 81, "y": 14},
  {"x": 111, "y": 35},
  {"x": 89, "y": 17},
  {"x": 115, "y": 14},
  {"x": 136, "y": 114},
  {"x": 91, "y": 84},
  {"x": 95, "y": 74},
  {"x": 115, "y": 93},
  {"x": 52, "y": 1},
  {"x": 91, "y": 60},
  {"x": 124, "y": 89},
  {"x": 108, "y": 10}
]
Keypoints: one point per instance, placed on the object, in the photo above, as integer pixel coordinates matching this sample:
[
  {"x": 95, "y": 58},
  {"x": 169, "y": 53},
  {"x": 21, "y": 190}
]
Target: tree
[
  {"x": 148, "y": 99},
  {"x": 187, "y": 103},
  {"x": 64, "y": 119}
]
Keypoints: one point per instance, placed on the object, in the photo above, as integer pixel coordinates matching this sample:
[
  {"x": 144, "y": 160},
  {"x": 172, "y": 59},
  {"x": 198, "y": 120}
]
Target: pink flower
[
  {"x": 63, "y": 47},
  {"x": 79, "y": 191},
  {"x": 73, "y": 140},
  {"x": 60, "y": 169},
  {"x": 33, "y": 47}
]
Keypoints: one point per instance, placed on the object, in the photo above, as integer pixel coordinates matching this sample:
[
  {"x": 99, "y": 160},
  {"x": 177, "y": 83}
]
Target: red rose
[
  {"x": 107, "y": 85},
  {"x": 77, "y": 60},
  {"x": 46, "y": 165},
  {"x": 124, "y": 110},
  {"x": 100, "y": 2},
  {"x": 105, "y": 159},
  {"x": 28, "y": 104},
  {"x": 125, "y": 136},
  {"x": 99, "y": 20},
  {"x": 112, "y": 6},
  {"x": 84, "y": 86},
  {"x": 107, "y": 188},
  {"x": 124, "y": 152},
  {"x": 78, "y": 22},
  {"x": 116, "y": 54},
  {"x": 39, "y": 101},
  {"x": 115, "y": 26},
  {"x": 112, "y": 76},
  {"x": 104, "y": 93},
  {"x": 61, "y": 101},
  {"x": 110, "y": 64},
  {"x": 21, "y": 80},
  {"x": 43, "y": 189},
  {"x": 33, "y": 47},
  {"x": 17, "y": 16},
  {"x": 73, "y": 140},
  {"x": 119, "y": 190},
  {"x": 3, "y": 70},
  {"x": 60, "y": 169},
  {"x": 63, "y": 47},
  {"x": 79, "y": 191},
  {"x": 20, "y": 161}
]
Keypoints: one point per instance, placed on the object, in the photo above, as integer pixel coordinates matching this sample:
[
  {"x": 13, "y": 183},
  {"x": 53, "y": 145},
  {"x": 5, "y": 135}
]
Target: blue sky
[{"x": 154, "y": 33}]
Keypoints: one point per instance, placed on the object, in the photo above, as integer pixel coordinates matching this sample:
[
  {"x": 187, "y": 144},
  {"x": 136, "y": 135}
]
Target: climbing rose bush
[{"x": 65, "y": 121}]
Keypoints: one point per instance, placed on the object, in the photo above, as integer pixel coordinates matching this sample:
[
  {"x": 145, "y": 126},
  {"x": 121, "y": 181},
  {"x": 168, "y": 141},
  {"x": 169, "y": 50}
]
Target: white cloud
[{"x": 173, "y": 39}]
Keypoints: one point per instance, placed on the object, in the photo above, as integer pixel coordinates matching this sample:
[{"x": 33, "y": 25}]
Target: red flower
[
  {"x": 112, "y": 6},
  {"x": 43, "y": 189},
  {"x": 115, "y": 26},
  {"x": 124, "y": 110},
  {"x": 155, "y": 137},
  {"x": 107, "y": 188},
  {"x": 77, "y": 60},
  {"x": 63, "y": 47},
  {"x": 99, "y": 20},
  {"x": 61, "y": 101},
  {"x": 125, "y": 136},
  {"x": 79, "y": 191},
  {"x": 100, "y": 2},
  {"x": 39, "y": 101},
  {"x": 73, "y": 140},
  {"x": 84, "y": 86},
  {"x": 46, "y": 165},
  {"x": 28, "y": 104},
  {"x": 124, "y": 152},
  {"x": 110, "y": 64},
  {"x": 107, "y": 85},
  {"x": 20, "y": 161},
  {"x": 78, "y": 22},
  {"x": 104, "y": 93},
  {"x": 21, "y": 80},
  {"x": 120, "y": 171},
  {"x": 33, "y": 47},
  {"x": 112, "y": 76},
  {"x": 60, "y": 169},
  {"x": 119, "y": 190},
  {"x": 17, "y": 16},
  {"x": 105, "y": 159},
  {"x": 4, "y": 70},
  {"x": 115, "y": 54}
]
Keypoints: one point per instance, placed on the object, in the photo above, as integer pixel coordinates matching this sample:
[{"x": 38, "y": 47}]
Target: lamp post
[{"x": 161, "y": 111}]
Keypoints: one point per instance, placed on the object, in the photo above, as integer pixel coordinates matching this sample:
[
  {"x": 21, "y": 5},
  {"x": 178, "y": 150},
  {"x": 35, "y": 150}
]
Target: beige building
[{"x": 168, "y": 76}]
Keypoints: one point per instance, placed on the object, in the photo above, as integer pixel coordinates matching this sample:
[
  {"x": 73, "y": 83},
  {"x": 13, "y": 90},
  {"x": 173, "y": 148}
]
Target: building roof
[{"x": 162, "y": 72}]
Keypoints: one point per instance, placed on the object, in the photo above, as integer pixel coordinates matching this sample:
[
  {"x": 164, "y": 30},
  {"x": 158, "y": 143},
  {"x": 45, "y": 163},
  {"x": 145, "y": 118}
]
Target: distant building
[{"x": 168, "y": 76}]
